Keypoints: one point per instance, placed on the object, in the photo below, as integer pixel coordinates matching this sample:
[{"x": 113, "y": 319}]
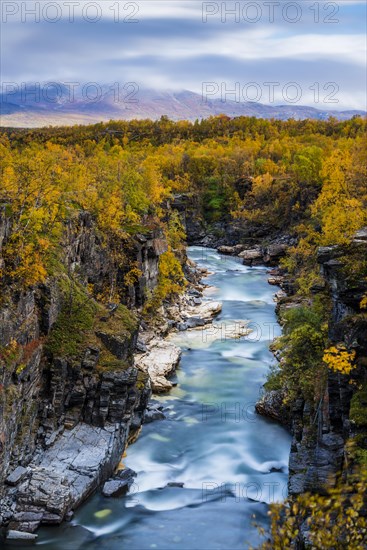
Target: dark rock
[
  {"x": 120, "y": 345},
  {"x": 272, "y": 406},
  {"x": 141, "y": 347},
  {"x": 193, "y": 322},
  {"x": 115, "y": 488},
  {"x": 326, "y": 253},
  {"x": 194, "y": 292},
  {"x": 153, "y": 414},
  {"x": 179, "y": 484},
  {"x": 16, "y": 476},
  {"x": 119, "y": 484},
  {"x": 28, "y": 516},
  {"x": 274, "y": 253},
  {"x": 127, "y": 474},
  {"x": 69, "y": 515},
  {"x": 91, "y": 357}
]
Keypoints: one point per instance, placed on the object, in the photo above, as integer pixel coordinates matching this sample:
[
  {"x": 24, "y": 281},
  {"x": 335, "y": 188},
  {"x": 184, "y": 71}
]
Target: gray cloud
[{"x": 170, "y": 47}]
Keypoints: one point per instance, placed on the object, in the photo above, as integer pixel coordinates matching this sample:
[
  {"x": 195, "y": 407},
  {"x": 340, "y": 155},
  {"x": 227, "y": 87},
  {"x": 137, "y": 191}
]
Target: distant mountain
[{"x": 59, "y": 106}]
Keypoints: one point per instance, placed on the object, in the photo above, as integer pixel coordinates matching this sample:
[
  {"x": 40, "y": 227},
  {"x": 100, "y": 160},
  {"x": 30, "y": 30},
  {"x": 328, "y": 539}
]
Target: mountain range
[{"x": 58, "y": 105}]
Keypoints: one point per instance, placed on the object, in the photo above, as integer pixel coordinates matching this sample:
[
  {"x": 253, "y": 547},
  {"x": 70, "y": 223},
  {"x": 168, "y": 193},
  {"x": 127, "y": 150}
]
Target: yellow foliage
[
  {"x": 341, "y": 214},
  {"x": 133, "y": 276},
  {"x": 339, "y": 359},
  {"x": 335, "y": 521}
]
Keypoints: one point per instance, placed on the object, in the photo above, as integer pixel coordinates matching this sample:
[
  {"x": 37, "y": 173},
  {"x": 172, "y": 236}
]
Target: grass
[
  {"x": 358, "y": 408},
  {"x": 80, "y": 319}
]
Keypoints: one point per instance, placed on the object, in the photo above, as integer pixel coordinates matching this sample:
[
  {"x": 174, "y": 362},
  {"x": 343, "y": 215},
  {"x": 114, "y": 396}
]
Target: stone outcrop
[
  {"x": 160, "y": 360},
  {"x": 61, "y": 477},
  {"x": 272, "y": 406},
  {"x": 260, "y": 254}
]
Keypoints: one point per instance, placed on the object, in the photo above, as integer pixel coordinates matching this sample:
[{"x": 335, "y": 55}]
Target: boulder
[
  {"x": 115, "y": 488},
  {"x": 66, "y": 473},
  {"x": 20, "y": 535},
  {"x": 275, "y": 280},
  {"x": 16, "y": 476},
  {"x": 159, "y": 361},
  {"x": 274, "y": 253},
  {"x": 206, "y": 311},
  {"x": 251, "y": 256},
  {"x": 231, "y": 250},
  {"x": 152, "y": 414},
  {"x": 272, "y": 406}
]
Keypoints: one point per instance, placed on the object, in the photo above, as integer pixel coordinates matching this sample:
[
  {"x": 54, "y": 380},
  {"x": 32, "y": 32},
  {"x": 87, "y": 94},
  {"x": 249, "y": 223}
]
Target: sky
[{"x": 272, "y": 51}]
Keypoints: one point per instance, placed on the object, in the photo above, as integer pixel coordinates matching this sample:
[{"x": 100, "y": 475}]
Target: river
[{"x": 231, "y": 461}]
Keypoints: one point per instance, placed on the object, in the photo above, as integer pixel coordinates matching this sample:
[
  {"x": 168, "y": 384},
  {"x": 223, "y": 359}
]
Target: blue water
[{"x": 231, "y": 461}]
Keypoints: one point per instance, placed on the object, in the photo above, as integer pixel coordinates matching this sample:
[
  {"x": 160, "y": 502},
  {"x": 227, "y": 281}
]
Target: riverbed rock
[
  {"x": 12, "y": 534},
  {"x": 206, "y": 311},
  {"x": 160, "y": 361},
  {"x": 252, "y": 256},
  {"x": 152, "y": 413},
  {"x": 272, "y": 406},
  {"x": 231, "y": 250},
  {"x": 275, "y": 280},
  {"x": 115, "y": 488}
]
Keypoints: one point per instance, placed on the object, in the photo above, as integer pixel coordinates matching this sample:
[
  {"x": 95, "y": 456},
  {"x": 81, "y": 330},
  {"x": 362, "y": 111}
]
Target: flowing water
[{"x": 231, "y": 461}]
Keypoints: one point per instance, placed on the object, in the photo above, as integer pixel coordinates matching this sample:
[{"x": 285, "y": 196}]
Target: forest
[{"x": 307, "y": 177}]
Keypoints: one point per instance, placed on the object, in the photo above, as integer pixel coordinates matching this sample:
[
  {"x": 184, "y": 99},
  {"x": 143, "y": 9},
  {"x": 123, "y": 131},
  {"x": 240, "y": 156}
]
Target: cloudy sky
[{"x": 318, "y": 46}]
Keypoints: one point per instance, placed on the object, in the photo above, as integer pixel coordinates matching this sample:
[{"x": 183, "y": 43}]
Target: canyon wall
[{"x": 69, "y": 404}]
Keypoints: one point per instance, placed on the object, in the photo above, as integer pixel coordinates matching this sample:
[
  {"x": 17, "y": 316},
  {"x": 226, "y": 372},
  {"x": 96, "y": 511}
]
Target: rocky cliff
[
  {"x": 70, "y": 396},
  {"x": 319, "y": 453}
]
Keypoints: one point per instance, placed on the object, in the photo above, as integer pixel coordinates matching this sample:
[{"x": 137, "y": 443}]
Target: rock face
[
  {"x": 65, "y": 418},
  {"x": 317, "y": 456},
  {"x": 318, "y": 448}
]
